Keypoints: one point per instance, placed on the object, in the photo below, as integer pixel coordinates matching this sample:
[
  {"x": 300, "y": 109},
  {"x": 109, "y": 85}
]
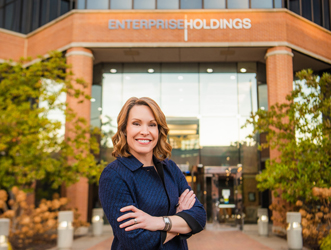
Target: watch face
[{"x": 166, "y": 219}]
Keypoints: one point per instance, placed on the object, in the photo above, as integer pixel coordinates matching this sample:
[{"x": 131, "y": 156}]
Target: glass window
[
  {"x": 278, "y": 4},
  {"x": 214, "y": 4},
  {"x": 263, "y": 96},
  {"x": 96, "y": 106},
  {"x": 1, "y": 17},
  {"x": 295, "y": 6},
  {"x": 2, "y": 2},
  {"x": 97, "y": 4},
  {"x": 261, "y": 4},
  {"x": 238, "y": 4},
  {"x": 317, "y": 7},
  {"x": 180, "y": 89},
  {"x": 218, "y": 90},
  {"x": 65, "y": 6},
  {"x": 9, "y": 16},
  {"x": 169, "y": 4},
  {"x": 327, "y": 15},
  {"x": 191, "y": 4},
  {"x": 306, "y": 9},
  {"x": 139, "y": 83},
  {"x": 35, "y": 15},
  {"x": 144, "y": 4},
  {"x": 53, "y": 9},
  {"x": 247, "y": 96},
  {"x": 80, "y": 4},
  {"x": 121, "y": 5}
]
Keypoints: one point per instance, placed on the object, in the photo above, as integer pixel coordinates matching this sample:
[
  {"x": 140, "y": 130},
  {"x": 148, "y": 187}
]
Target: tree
[
  {"x": 31, "y": 145},
  {"x": 300, "y": 130}
]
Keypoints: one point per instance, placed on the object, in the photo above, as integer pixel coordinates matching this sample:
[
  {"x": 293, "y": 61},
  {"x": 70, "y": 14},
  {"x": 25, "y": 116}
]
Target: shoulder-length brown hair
[{"x": 162, "y": 150}]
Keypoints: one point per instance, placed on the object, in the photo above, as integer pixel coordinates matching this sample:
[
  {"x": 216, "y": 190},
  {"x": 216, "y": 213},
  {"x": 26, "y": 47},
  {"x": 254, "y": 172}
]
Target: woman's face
[{"x": 142, "y": 131}]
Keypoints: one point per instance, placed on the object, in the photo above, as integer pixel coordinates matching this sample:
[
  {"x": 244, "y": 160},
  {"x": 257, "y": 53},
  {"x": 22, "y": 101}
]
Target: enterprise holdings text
[{"x": 137, "y": 24}]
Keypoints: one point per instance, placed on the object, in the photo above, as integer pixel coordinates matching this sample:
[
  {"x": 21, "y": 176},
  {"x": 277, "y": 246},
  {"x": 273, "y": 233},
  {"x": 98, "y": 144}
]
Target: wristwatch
[{"x": 167, "y": 223}]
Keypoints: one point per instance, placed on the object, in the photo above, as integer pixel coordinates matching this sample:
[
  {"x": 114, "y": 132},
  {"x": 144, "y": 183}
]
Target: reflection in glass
[
  {"x": 169, "y": 4},
  {"x": 238, "y": 4},
  {"x": 112, "y": 100},
  {"x": 65, "y": 6},
  {"x": 144, "y": 4},
  {"x": 214, "y": 4},
  {"x": 306, "y": 9},
  {"x": 191, "y": 4},
  {"x": 9, "y": 11},
  {"x": 97, "y": 4},
  {"x": 261, "y": 4},
  {"x": 247, "y": 96},
  {"x": 96, "y": 105},
  {"x": 317, "y": 7},
  {"x": 121, "y": 5},
  {"x": 80, "y": 4},
  {"x": 53, "y": 7}
]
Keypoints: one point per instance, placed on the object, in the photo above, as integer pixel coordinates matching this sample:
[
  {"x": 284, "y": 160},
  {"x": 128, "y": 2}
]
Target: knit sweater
[{"x": 126, "y": 182}]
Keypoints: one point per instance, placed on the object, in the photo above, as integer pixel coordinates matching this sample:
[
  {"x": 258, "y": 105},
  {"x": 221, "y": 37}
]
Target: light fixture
[
  {"x": 99, "y": 108},
  {"x": 92, "y": 99},
  {"x": 243, "y": 70},
  {"x": 263, "y": 221},
  {"x": 113, "y": 71},
  {"x": 294, "y": 230},
  {"x": 127, "y": 78},
  {"x": 97, "y": 221},
  {"x": 180, "y": 78},
  {"x": 181, "y": 90},
  {"x": 65, "y": 230},
  {"x": 209, "y": 70},
  {"x": 150, "y": 70},
  {"x": 262, "y": 108},
  {"x": 232, "y": 77},
  {"x": 4, "y": 233}
]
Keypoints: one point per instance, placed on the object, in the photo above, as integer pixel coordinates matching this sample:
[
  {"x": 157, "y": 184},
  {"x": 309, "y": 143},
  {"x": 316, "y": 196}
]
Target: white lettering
[
  {"x": 227, "y": 23},
  {"x": 189, "y": 23},
  {"x": 195, "y": 24},
  {"x": 221, "y": 24},
  {"x": 237, "y": 23},
  {"x": 214, "y": 24},
  {"x": 205, "y": 24},
  {"x": 247, "y": 23}
]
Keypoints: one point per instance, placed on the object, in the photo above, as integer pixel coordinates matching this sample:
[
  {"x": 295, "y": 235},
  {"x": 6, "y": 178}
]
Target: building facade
[{"x": 207, "y": 63}]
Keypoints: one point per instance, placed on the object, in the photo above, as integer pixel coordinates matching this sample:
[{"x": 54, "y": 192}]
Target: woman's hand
[
  {"x": 139, "y": 219},
  {"x": 186, "y": 201}
]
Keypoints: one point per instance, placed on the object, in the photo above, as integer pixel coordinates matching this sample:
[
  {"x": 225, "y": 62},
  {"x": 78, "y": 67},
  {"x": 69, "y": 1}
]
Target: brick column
[
  {"x": 81, "y": 60},
  {"x": 280, "y": 83}
]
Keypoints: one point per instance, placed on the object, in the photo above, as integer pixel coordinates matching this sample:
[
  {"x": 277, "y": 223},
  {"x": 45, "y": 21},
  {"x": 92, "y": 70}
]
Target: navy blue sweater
[{"x": 125, "y": 182}]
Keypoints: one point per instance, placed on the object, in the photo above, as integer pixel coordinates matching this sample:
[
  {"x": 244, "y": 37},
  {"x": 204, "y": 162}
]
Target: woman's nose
[{"x": 144, "y": 130}]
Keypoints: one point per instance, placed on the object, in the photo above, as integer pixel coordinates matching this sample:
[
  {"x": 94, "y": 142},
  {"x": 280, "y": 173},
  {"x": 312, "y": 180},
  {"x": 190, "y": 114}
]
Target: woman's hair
[{"x": 162, "y": 149}]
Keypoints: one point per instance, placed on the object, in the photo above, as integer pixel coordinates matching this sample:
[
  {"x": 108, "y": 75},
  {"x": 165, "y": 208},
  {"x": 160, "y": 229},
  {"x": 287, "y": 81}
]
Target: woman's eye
[
  {"x": 153, "y": 125},
  {"x": 135, "y": 124}
]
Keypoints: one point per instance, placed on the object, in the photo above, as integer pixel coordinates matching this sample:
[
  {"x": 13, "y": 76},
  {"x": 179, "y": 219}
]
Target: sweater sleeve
[
  {"x": 195, "y": 217},
  {"x": 114, "y": 194}
]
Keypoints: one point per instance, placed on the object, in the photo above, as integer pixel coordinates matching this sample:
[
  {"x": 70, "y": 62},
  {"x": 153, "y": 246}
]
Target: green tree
[
  {"x": 300, "y": 130},
  {"x": 31, "y": 145}
]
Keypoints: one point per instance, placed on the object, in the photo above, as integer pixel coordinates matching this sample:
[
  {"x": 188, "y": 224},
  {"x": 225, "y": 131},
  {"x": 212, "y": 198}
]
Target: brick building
[{"x": 207, "y": 63}]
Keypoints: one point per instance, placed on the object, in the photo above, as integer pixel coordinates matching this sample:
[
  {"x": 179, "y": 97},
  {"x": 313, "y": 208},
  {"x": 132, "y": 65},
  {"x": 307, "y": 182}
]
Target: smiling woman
[{"x": 145, "y": 196}]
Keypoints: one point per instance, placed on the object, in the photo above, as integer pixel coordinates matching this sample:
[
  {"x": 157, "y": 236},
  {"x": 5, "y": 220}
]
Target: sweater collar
[{"x": 133, "y": 163}]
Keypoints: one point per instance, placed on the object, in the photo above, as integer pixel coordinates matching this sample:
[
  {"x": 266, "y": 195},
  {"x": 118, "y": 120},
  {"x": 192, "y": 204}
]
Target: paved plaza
[{"x": 220, "y": 238}]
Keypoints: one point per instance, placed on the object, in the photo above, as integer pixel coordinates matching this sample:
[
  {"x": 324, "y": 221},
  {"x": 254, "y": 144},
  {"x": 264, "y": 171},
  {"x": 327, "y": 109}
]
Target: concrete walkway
[{"x": 219, "y": 238}]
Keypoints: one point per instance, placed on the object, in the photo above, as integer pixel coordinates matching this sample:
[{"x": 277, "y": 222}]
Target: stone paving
[{"x": 222, "y": 239}]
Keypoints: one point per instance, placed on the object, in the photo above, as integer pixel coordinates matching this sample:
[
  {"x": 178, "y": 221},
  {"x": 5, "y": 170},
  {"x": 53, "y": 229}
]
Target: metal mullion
[
  {"x": 288, "y": 4},
  {"x": 179, "y": 4},
  {"x": 323, "y": 16},
  {"x": 58, "y": 8},
  {"x": 312, "y": 10},
  {"x": 329, "y": 14},
  {"x": 109, "y": 4},
  {"x": 20, "y": 27},
  {"x": 300, "y": 7},
  {"x": 85, "y": 7},
  {"x": 203, "y": 4},
  {"x": 250, "y": 4},
  {"x": 283, "y": 3},
  {"x": 273, "y": 4},
  {"x": 132, "y": 4},
  {"x": 48, "y": 6},
  {"x": 38, "y": 14},
  {"x": 29, "y": 15},
  {"x": 226, "y": 4}
]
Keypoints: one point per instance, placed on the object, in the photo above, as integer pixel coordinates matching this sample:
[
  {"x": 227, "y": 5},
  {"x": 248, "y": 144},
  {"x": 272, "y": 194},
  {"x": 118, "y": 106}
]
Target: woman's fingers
[
  {"x": 128, "y": 223},
  {"x": 182, "y": 196},
  {"x": 125, "y": 216},
  {"x": 129, "y": 208},
  {"x": 188, "y": 199}
]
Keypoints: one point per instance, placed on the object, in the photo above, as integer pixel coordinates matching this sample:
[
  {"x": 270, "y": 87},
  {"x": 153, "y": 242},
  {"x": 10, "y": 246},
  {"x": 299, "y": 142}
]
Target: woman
[{"x": 145, "y": 196}]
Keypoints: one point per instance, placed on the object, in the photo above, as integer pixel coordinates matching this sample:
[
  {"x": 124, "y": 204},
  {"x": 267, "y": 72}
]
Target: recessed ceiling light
[
  {"x": 180, "y": 78},
  {"x": 232, "y": 77},
  {"x": 127, "y": 78},
  {"x": 210, "y": 70},
  {"x": 99, "y": 108},
  {"x": 92, "y": 100},
  {"x": 180, "y": 89},
  {"x": 150, "y": 70},
  {"x": 113, "y": 71},
  {"x": 243, "y": 70}
]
